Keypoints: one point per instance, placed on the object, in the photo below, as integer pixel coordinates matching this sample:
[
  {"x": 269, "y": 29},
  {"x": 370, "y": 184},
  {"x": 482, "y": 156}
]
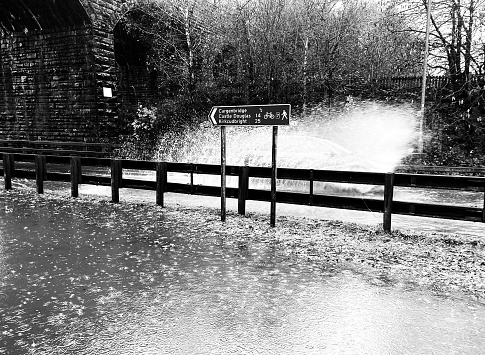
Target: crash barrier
[
  {"x": 446, "y": 170},
  {"x": 36, "y": 167}
]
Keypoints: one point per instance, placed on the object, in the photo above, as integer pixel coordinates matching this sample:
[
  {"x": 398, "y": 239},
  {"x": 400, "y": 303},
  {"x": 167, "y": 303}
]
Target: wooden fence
[
  {"x": 37, "y": 168},
  {"x": 412, "y": 82}
]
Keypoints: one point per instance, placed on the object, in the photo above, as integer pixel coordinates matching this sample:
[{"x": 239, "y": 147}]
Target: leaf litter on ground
[{"x": 443, "y": 263}]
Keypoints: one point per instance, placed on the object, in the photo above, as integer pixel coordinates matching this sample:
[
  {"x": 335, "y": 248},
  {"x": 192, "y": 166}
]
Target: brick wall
[
  {"x": 105, "y": 77},
  {"x": 106, "y": 13},
  {"x": 136, "y": 86},
  {"x": 52, "y": 81},
  {"x": 47, "y": 80}
]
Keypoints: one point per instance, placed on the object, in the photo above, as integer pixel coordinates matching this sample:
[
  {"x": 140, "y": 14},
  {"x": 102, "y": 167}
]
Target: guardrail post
[
  {"x": 12, "y": 164},
  {"x": 388, "y": 196},
  {"x": 7, "y": 170},
  {"x": 161, "y": 181},
  {"x": 116, "y": 178},
  {"x": 75, "y": 175},
  {"x": 191, "y": 178},
  {"x": 483, "y": 210},
  {"x": 40, "y": 172},
  {"x": 243, "y": 187},
  {"x": 311, "y": 188}
]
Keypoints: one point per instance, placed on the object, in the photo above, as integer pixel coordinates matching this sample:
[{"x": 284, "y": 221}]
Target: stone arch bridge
[{"x": 58, "y": 75}]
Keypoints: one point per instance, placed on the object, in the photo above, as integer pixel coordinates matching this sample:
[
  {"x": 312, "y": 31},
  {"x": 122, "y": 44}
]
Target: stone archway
[
  {"x": 137, "y": 78},
  {"x": 57, "y": 68},
  {"x": 27, "y": 16}
]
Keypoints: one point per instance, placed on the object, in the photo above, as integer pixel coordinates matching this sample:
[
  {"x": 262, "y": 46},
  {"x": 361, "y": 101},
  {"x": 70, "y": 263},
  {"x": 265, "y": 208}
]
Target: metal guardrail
[
  {"x": 387, "y": 205},
  {"x": 449, "y": 170}
]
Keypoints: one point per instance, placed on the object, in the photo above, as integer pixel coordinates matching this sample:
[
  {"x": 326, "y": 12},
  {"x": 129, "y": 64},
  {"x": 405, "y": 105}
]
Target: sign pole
[
  {"x": 423, "y": 83},
  {"x": 223, "y": 173},
  {"x": 273, "y": 176},
  {"x": 250, "y": 115}
]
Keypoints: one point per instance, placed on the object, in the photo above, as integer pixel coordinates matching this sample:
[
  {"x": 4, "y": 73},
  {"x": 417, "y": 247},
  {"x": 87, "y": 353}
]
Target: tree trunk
[
  {"x": 468, "y": 45},
  {"x": 305, "y": 76},
  {"x": 247, "y": 63},
  {"x": 190, "y": 49}
]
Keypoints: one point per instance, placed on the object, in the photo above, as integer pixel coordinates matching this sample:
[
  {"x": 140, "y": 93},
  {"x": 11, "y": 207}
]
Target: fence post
[
  {"x": 7, "y": 170},
  {"x": 161, "y": 181},
  {"x": 75, "y": 175},
  {"x": 40, "y": 172},
  {"x": 243, "y": 189},
  {"x": 191, "y": 178},
  {"x": 116, "y": 178},
  {"x": 483, "y": 211},
  {"x": 12, "y": 164},
  {"x": 388, "y": 196},
  {"x": 311, "y": 187}
]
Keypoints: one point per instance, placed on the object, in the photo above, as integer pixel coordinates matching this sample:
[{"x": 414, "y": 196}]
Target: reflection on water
[{"x": 84, "y": 278}]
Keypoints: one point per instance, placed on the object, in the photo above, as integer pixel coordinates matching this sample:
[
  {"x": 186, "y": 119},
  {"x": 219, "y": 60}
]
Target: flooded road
[{"x": 78, "y": 277}]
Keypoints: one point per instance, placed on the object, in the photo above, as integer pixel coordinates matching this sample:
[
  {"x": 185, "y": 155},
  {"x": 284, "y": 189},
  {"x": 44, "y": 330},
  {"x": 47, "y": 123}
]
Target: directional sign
[{"x": 251, "y": 115}]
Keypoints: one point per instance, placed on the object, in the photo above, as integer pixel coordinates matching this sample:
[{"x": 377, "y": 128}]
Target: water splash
[{"x": 366, "y": 137}]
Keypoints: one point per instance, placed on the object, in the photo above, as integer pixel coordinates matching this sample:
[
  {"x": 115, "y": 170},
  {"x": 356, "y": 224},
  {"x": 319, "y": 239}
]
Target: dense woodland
[{"x": 309, "y": 52}]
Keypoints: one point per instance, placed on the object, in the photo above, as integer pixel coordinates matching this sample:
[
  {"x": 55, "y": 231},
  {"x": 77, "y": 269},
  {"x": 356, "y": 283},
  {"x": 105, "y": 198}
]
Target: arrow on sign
[{"x": 212, "y": 115}]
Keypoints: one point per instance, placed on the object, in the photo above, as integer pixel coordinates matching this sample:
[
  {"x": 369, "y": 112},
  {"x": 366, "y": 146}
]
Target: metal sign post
[
  {"x": 423, "y": 83},
  {"x": 273, "y": 176},
  {"x": 223, "y": 173},
  {"x": 250, "y": 115}
]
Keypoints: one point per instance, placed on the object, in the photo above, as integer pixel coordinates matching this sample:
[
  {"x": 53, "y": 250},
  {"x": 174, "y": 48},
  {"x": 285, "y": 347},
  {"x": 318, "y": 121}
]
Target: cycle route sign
[{"x": 251, "y": 115}]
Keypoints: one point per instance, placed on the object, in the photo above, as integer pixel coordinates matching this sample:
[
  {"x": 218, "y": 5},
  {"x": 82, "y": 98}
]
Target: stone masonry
[{"x": 57, "y": 69}]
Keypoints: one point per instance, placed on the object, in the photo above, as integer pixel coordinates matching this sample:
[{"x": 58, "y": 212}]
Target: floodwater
[{"x": 78, "y": 277}]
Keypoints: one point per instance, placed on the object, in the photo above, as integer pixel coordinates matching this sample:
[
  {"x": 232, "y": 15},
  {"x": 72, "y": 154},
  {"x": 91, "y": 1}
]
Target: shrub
[{"x": 145, "y": 125}]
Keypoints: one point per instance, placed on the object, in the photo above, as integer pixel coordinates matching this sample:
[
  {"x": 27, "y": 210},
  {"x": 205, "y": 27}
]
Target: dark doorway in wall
[
  {"x": 137, "y": 79},
  {"x": 131, "y": 44}
]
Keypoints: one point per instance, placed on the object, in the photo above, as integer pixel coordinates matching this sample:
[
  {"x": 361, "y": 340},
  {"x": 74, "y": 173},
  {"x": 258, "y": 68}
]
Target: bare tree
[
  {"x": 456, "y": 45},
  {"x": 272, "y": 50}
]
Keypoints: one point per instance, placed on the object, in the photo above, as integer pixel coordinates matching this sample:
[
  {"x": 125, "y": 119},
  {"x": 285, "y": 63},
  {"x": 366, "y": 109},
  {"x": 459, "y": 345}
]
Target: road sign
[{"x": 251, "y": 115}]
